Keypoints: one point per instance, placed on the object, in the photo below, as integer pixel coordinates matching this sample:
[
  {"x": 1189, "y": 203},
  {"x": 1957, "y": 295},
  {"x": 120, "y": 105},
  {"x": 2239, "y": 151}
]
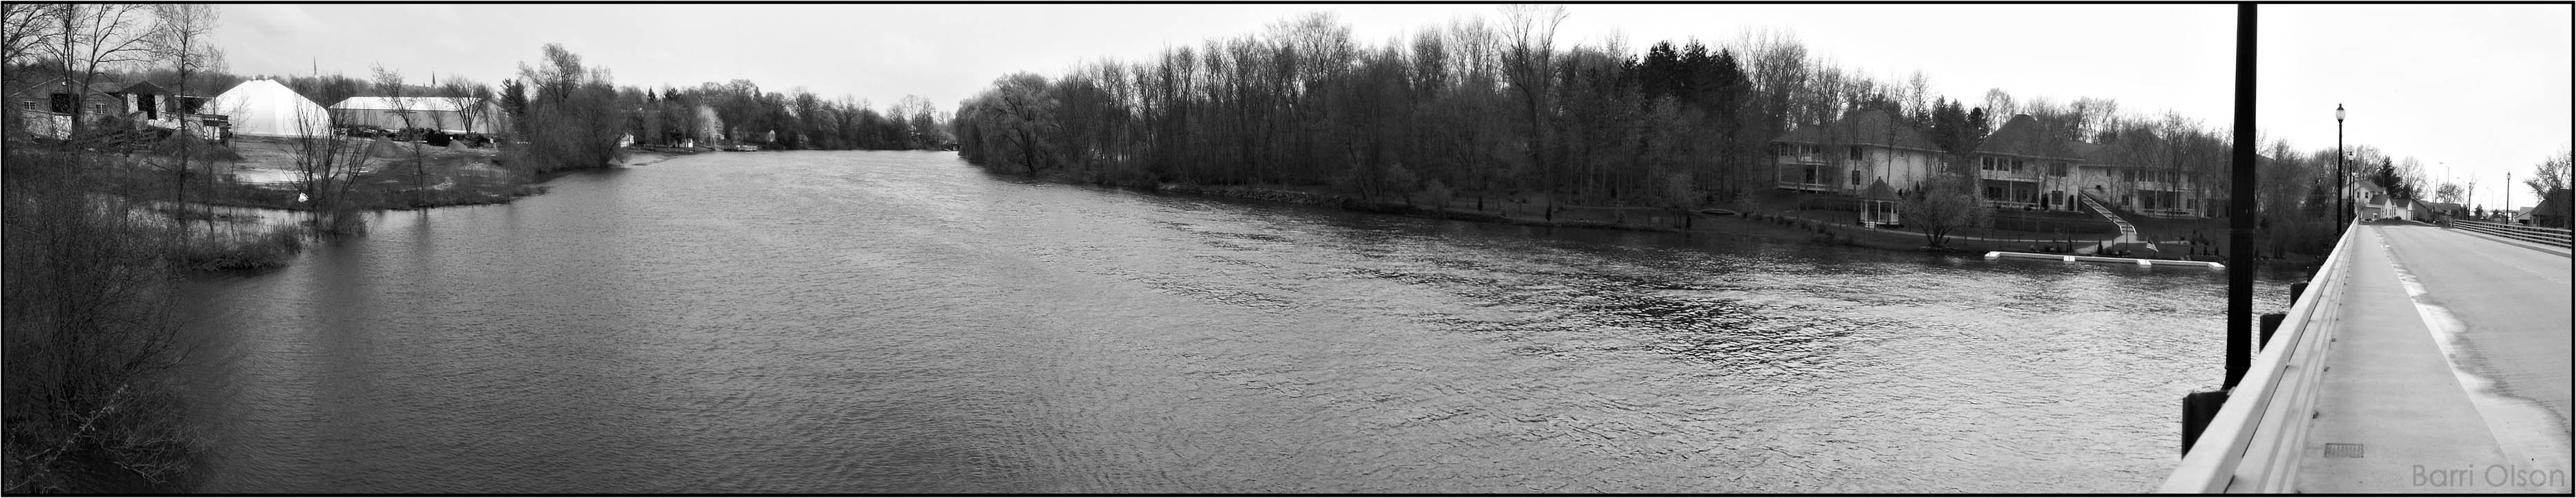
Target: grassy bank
[
  {"x": 213, "y": 238},
  {"x": 393, "y": 175}
]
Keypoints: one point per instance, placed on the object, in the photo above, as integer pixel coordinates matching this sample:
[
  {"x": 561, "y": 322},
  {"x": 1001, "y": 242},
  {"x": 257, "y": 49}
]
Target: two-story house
[
  {"x": 2113, "y": 177},
  {"x": 2023, "y": 165},
  {"x": 1847, "y": 155}
]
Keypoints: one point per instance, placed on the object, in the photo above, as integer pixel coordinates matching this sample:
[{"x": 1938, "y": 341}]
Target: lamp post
[{"x": 2343, "y": 193}]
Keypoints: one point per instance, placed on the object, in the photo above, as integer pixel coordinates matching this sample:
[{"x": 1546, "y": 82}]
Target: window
[
  {"x": 29, "y": 105},
  {"x": 2017, "y": 165},
  {"x": 1855, "y": 152},
  {"x": 2057, "y": 169},
  {"x": 1855, "y": 177},
  {"x": 98, "y": 108}
]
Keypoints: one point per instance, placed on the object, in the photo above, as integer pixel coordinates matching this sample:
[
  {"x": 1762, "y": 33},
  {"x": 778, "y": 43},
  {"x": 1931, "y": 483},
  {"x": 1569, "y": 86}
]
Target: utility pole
[
  {"x": 2199, "y": 408},
  {"x": 2240, "y": 206}
]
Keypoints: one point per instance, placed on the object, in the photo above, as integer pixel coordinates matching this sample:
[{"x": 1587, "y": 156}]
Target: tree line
[
  {"x": 1473, "y": 106},
  {"x": 1499, "y": 109}
]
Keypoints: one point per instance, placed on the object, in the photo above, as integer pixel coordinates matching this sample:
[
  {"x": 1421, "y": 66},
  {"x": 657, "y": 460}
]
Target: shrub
[{"x": 85, "y": 312}]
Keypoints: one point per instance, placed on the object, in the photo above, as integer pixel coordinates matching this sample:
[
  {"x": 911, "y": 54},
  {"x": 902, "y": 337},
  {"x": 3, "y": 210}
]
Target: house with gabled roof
[
  {"x": 2110, "y": 176},
  {"x": 1846, "y": 156},
  {"x": 2553, "y": 210},
  {"x": 2024, "y": 165},
  {"x": 2367, "y": 199},
  {"x": 45, "y": 107},
  {"x": 2438, "y": 211},
  {"x": 159, "y": 107}
]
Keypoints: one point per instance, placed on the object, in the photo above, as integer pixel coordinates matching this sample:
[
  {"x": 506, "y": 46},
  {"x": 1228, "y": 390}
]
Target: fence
[
  {"x": 2255, "y": 442},
  {"x": 2550, "y": 236}
]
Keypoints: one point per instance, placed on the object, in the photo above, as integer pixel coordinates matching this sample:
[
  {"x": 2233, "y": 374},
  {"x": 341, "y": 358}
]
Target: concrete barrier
[{"x": 2254, "y": 443}]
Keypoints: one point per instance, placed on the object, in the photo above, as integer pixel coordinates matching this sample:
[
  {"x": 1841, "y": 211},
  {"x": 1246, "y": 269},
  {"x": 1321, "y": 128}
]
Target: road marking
[{"x": 2535, "y": 441}]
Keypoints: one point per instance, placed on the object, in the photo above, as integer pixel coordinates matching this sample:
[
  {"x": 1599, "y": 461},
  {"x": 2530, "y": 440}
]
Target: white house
[
  {"x": 2021, "y": 165},
  {"x": 1846, "y": 156},
  {"x": 2024, "y": 165}
]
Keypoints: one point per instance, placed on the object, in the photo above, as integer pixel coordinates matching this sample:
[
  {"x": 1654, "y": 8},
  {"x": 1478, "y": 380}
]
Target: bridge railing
[
  {"x": 2253, "y": 444},
  {"x": 2551, "y": 236}
]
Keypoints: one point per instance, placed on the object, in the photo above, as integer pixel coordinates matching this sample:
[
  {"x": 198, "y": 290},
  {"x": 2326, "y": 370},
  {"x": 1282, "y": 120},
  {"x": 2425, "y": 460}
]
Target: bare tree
[
  {"x": 391, "y": 82},
  {"x": 2469, "y": 191},
  {"x": 1531, "y": 40},
  {"x": 183, "y": 41},
  {"x": 472, "y": 101},
  {"x": 2447, "y": 192},
  {"x": 96, "y": 38},
  {"x": 327, "y": 167},
  {"x": 2549, "y": 176},
  {"x": 2000, "y": 106},
  {"x": 27, "y": 30}
]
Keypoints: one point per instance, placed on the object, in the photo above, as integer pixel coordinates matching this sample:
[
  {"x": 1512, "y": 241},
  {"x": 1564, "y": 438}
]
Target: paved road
[
  {"x": 2511, "y": 303},
  {"x": 2450, "y": 371}
]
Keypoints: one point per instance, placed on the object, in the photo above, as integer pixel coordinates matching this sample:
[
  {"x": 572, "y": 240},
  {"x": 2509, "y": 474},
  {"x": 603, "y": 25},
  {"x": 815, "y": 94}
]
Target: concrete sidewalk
[{"x": 2392, "y": 415}]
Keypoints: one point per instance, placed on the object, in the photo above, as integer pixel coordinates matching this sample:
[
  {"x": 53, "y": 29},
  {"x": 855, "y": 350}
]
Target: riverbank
[
  {"x": 1788, "y": 225},
  {"x": 264, "y": 173}
]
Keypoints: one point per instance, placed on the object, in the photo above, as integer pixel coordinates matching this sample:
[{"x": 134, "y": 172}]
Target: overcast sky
[{"x": 2482, "y": 89}]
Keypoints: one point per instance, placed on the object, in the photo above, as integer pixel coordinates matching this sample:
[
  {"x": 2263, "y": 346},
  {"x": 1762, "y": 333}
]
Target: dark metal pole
[
  {"x": 2240, "y": 223},
  {"x": 2343, "y": 197}
]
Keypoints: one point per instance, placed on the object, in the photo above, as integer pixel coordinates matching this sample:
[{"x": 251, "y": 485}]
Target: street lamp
[{"x": 2343, "y": 193}]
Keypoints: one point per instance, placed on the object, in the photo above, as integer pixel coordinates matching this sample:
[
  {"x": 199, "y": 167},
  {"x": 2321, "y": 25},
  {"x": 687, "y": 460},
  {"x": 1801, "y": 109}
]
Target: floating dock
[{"x": 2070, "y": 258}]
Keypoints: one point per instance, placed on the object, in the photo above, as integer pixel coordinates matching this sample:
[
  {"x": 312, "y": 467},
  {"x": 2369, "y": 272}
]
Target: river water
[{"x": 848, "y": 322}]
